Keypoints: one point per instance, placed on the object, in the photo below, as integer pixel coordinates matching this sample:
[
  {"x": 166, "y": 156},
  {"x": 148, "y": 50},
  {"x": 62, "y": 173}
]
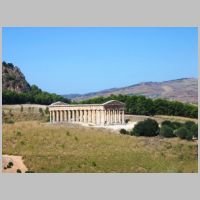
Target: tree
[
  {"x": 148, "y": 127},
  {"x": 166, "y": 131},
  {"x": 194, "y": 130},
  {"x": 189, "y": 124},
  {"x": 182, "y": 132}
]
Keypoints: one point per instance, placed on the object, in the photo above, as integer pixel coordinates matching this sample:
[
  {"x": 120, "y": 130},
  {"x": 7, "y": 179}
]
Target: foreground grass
[{"x": 56, "y": 148}]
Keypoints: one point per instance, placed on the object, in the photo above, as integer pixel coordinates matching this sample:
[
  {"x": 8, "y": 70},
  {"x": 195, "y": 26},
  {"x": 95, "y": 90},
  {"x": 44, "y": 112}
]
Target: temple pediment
[{"x": 113, "y": 103}]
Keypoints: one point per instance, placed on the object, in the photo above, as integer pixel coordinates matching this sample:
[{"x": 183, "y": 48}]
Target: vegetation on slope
[
  {"x": 16, "y": 90},
  {"x": 140, "y": 105}
]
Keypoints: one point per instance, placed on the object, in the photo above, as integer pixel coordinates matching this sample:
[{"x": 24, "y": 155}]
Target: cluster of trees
[
  {"x": 150, "y": 127},
  {"x": 140, "y": 105},
  {"x": 35, "y": 95}
]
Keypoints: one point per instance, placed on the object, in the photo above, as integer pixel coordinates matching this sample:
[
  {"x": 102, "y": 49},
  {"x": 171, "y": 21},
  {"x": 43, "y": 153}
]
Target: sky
[{"x": 67, "y": 60}]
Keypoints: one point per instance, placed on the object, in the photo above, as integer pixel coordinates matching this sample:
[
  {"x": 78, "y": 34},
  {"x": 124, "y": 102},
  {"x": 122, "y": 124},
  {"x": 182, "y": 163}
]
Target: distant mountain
[
  {"x": 13, "y": 79},
  {"x": 184, "y": 90}
]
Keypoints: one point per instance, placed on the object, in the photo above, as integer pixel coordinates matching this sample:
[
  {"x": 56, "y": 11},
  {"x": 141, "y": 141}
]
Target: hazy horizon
[{"x": 83, "y": 60}]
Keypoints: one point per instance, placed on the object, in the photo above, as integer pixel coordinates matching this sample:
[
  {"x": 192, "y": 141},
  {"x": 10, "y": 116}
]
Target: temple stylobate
[{"x": 109, "y": 113}]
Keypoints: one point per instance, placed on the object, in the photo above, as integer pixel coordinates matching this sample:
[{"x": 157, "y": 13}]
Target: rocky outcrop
[{"x": 13, "y": 79}]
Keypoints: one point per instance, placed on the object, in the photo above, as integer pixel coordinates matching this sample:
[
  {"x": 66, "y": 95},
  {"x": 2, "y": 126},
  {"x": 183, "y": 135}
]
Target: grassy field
[{"x": 70, "y": 148}]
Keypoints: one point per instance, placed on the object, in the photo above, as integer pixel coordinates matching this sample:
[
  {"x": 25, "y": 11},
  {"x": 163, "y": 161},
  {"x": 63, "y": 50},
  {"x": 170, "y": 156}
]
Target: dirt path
[{"x": 17, "y": 164}]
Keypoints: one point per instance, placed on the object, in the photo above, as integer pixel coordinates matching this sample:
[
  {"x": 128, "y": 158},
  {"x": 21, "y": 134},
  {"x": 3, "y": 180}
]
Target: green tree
[{"x": 148, "y": 127}]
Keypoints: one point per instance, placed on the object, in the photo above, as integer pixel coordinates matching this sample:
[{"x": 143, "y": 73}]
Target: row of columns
[{"x": 97, "y": 117}]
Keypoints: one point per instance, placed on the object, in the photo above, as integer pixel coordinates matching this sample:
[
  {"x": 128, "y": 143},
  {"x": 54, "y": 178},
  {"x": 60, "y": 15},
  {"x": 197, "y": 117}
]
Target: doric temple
[{"x": 109, "y": 113}]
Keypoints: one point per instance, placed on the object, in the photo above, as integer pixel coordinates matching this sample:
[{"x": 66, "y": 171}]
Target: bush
[
  {"x": 124, "y": 132},
  {"x": 167, "y": 123},
  {"x": 176, "y": 125},
  {"x": 40, "y": 110},
  {"x": 189, "y": 136},
  {"x": 19, "y": 171},
  {"x": 189, "y": 124},
  {"x": 166, "y": 131},
  {"x": 126, "y": 121},
  {"x": 10, "y": 164},
  {"x": 46, "y": 110},
  {"x": 10, "y": 121},
  {"x": 194, "y": 130},
  {"x": 148, "y": 127},
  {"x": 19, "y": 133},
  {"x": 182, "y": 132}
]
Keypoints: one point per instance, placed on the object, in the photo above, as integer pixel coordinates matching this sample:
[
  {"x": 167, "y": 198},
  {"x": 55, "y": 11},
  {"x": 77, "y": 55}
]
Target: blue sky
[{"x": 80, "y": 60}]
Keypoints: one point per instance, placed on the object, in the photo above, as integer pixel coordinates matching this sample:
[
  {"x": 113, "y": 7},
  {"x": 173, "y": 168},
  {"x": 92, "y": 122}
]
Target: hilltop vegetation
[
  {"x": 140, "y": 105},
  {"x": 16, "y": 90}
]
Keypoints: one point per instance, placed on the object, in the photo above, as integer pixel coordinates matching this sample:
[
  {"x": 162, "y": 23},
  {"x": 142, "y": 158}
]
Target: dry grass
[
  {"x": 24, "y": 112},
  {"x": 70, "y": 148}
]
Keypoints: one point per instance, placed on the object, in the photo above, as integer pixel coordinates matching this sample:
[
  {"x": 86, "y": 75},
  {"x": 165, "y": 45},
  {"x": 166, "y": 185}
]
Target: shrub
[
  {"x": 126, "y": 121},
  {"x": 67, "y": 133},
  {"x": 76, "y": 138},
  {"x": 189, "y": 136},
  {"x": 176, "y": 125},
  {"x": 182, "y": 132},
  {"x": 148, "y": 127},
  {"x": 19, "y": 171},
  {"x": 189, "y": 124},
  {"x": 10, "y": 121},
  {"x": 19, "y": 133},
  {"x": 47, "y": 110},
  {"x": 166, "y": 131},
  {"x": 167, "y": 123},
  {"x": 124, "y": 132},
  {"x": 194, "y": 130},
  {"x": 10, "y": 164},
  {"x": 94, "y": 164}
]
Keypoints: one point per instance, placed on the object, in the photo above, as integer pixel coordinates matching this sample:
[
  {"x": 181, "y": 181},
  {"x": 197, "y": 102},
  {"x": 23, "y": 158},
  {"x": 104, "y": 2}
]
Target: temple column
[
  {"x": 69, "y": 116},
  {"x": 50, "y": 120},
  {"x": 53, "y": 113},
  {"x": 97, "y": 117},
  {"x": 123, "y": 117},
  {"x": 111, "y": 116},
  {"x": 72, "y": 115},
  {"x": 58, "y": 116},
  {"x": 102, "y": 117},
  {"x": 81, "y": 116},
  {"x": 120, "y": 116},
  {"x": 117, "y": 116},
  {"x": 84, "y": 116},
  {"x": 61, "y": 115},
  {"x": 108, "y": 116},
  {"x": 77, "y": 115},
  {"x": 90, "y": 116},
  {"x": 65, "y": 115},
  {"x": 94, "y": 116}
]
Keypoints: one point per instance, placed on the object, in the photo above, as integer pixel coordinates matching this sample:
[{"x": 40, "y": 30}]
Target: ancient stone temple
[{"x": 109, "y": 113}]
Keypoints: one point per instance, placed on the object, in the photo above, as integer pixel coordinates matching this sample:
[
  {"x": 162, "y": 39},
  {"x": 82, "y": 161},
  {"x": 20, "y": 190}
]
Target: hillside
[
  {"x": 16, "y": 90},
  {"x": 13, "y": 79},
  {"x": 184, "y": 90}
]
